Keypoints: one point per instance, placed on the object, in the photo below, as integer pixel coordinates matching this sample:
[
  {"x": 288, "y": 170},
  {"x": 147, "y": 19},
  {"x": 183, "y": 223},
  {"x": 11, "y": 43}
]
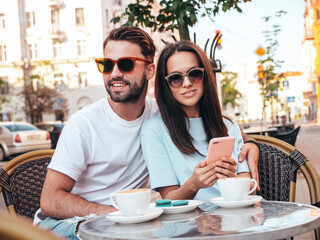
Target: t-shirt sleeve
[
  {"x": 72, "y": 150},
  {"x": 155, "y": 154}
]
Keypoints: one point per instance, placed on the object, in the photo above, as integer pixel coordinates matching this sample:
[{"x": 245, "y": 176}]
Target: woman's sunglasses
[
  {"x": 125, "y": 65},
  {"x": 176, "y": 79}
]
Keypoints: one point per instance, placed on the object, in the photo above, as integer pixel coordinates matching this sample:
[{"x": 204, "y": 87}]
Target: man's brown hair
[{"x": 134, "y": 35}]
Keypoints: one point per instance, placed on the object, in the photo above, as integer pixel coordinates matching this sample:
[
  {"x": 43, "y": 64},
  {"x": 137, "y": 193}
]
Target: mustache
[{"x": 118, "y": 80}]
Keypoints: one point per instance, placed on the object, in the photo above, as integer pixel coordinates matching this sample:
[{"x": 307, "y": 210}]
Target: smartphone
[{"x": 220, "y": 147}]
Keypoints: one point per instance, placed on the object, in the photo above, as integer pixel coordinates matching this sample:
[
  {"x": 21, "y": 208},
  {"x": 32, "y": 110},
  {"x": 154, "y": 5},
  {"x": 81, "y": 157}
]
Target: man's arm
[
  {"x": 251, "y": 152},
  {"x": 57, "y": 201}
]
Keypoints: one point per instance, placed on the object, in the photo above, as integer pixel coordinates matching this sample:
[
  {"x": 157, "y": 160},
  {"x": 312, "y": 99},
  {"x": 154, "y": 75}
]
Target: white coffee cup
[
  {"x": 133, "y": 202},
  {"x": 236, "y": 188}
]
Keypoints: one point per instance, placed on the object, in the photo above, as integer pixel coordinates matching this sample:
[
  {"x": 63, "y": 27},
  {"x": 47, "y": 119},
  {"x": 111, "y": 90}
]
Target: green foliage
[
  {"x": 174, "y": 14},
  {"x": 37, "y": 96},
  {"x": 270, "y": 83},
  {"x": 229, "y": 93},
  {"x": 3, "y": 99}
]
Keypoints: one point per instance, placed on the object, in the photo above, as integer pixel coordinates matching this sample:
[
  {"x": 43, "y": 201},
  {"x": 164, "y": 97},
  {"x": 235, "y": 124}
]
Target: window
[
  {"x": 4, "y": 86},
  {"x": 33, "y": 51},
  {"x": 81, "y": 47},
  {"x": 31, "y": 20},
  {"x": 83, "y": 80},
  {"x": 55, "y": 22},
  {"x": 3, "y": 53},
  {"x": 79, "y": 16},
  {"x": 117, "y": 2},
  {"x": 56, "y": 49},
  {"x": 2, "y": 21}
]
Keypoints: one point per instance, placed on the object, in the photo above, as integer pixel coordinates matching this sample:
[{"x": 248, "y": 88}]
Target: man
[{"x": 99, "y": 151}]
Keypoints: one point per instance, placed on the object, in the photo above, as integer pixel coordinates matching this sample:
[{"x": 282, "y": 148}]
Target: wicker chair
[
  {"x": 14, "y": 228},
  {"x": 21, "y": 182},
  {"x": 278, "y": 166},
  {"x": 289, "y": 136}
]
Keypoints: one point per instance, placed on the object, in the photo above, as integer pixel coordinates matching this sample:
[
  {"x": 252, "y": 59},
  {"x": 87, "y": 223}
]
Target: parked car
[
  {"x": 54, "y": 128},
  {"x": 20, "y": 137}
]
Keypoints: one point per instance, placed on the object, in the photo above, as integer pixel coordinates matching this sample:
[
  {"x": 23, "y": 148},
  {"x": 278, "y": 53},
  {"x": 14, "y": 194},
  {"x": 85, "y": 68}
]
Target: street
[{"x": 308, "y": 142}]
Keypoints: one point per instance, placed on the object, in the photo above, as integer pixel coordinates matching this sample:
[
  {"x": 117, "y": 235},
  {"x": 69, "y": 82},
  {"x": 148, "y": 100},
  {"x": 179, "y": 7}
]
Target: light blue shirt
[{"x": 168, "y": 166}]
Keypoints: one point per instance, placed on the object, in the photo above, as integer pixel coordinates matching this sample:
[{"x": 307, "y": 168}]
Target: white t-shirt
[{"x": 102, "y": 152}]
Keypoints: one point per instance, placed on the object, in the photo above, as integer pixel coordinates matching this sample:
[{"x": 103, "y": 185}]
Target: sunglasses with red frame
[{"x": 125, "y": 64}]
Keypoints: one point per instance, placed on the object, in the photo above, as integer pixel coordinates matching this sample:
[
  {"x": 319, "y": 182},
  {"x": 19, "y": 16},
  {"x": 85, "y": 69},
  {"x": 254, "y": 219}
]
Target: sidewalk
[{"x": 308, "y": 142}]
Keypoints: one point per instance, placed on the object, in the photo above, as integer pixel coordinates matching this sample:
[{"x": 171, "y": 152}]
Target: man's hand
[{"x": 251, "y": 152}]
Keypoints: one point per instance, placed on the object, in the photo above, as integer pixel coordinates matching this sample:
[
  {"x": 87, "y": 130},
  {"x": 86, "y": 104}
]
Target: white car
[{"x": 20, "y": 137}]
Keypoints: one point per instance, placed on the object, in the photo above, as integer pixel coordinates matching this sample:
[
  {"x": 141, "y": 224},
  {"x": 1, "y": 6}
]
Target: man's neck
[{"x": 128, "y": 111}]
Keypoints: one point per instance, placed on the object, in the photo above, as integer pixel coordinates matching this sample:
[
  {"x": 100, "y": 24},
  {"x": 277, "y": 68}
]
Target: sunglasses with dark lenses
[
  {"x": 194, "y": 75},
  {"x": 125, "y": 65}
]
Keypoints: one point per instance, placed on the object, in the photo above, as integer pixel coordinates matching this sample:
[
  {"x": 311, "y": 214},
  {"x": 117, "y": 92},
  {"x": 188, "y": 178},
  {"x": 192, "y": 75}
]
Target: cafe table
[
  {"x": 263, "y": 220},
  {"x": 261, "y": 130}
]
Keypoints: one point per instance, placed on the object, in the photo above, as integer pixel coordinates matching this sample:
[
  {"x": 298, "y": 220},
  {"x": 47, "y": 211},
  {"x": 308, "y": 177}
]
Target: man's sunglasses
[
  {"x": 125, "y": 65},
  {"x": 176, "y": 79}
]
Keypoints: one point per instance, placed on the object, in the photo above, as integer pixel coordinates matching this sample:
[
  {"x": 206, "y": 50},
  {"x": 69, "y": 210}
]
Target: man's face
[{"x": 125, "y": 87}]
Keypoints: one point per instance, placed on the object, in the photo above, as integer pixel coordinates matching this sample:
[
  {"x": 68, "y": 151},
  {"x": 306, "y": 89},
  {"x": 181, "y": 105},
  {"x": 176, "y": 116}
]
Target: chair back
[
  {"x": 278, "y": 166},
  {"x": 289, "y": 137},
  {"x": 14, "y": 228},
  {"x": 21, "y": 182},
  {"x": 274, "y": 168}
]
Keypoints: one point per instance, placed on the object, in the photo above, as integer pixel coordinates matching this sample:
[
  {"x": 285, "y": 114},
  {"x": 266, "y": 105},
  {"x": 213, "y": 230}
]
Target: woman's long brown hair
[{"x": 171, "y": 111}]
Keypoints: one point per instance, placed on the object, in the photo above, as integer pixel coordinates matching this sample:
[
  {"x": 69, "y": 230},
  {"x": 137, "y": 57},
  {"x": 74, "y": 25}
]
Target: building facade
[
  {"x": 311, "y": 45},
  {"x": 58, "y": 41}
]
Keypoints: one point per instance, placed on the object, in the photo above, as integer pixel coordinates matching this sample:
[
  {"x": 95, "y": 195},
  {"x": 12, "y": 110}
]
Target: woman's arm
[{"x": 203, "y": 176}]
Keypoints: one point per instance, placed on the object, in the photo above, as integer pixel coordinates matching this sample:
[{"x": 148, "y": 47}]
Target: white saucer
[
  {"x": 237, "y": 211},
  {"x": 193, "y": 204},
  {"x": 119, "y": 218},
  {"x": 252, "y": 199}
]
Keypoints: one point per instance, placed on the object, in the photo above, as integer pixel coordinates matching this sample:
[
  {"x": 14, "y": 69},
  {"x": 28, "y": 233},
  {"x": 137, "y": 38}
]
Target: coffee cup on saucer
[
  {"x": 236, "y": 188},
  {"x": 133, "y": 202}
]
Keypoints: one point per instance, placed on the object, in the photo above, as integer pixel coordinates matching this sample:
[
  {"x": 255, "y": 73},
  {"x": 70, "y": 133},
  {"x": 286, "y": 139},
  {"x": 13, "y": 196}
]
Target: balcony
[
  {"x": 309, "y": 35},
  {"x": 56, "y": 3},
  {"x": 57, "y": 34}
]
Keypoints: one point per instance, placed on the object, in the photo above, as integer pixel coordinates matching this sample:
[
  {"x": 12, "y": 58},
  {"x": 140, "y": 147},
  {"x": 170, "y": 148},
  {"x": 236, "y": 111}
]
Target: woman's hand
[
  {"x": 226, "y": 167},
  {"x": 204, "y": 175}
]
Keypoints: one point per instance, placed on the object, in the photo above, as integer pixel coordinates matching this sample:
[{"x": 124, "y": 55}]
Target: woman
[{"x": 175, "y": 144}]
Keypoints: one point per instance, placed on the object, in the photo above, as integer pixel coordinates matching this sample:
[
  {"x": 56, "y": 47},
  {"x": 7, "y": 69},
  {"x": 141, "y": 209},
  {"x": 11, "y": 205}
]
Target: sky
[{"x": 242, "y": 33}]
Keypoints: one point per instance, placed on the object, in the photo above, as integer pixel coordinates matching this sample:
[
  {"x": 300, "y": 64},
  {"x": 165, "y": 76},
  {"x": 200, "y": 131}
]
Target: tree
[
  {"x": 3, "y": 98},
  {"x": 229, "y": 93},
  {"x": 174, "y": 14},
  {"x": 270, "y": 81},
  {"x": 38, "y": 97}
]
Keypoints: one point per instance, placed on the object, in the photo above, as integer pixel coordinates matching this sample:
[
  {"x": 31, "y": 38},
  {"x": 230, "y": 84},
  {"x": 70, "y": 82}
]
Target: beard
[{"x": 130, "y": 96}]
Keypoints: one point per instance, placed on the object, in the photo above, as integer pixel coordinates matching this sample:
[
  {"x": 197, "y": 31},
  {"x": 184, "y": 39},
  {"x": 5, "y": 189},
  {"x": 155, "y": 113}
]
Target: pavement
[{"x": 308, "y": 142}]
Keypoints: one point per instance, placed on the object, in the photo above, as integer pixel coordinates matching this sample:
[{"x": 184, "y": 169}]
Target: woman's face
[{"x": 189, "y": 94}]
